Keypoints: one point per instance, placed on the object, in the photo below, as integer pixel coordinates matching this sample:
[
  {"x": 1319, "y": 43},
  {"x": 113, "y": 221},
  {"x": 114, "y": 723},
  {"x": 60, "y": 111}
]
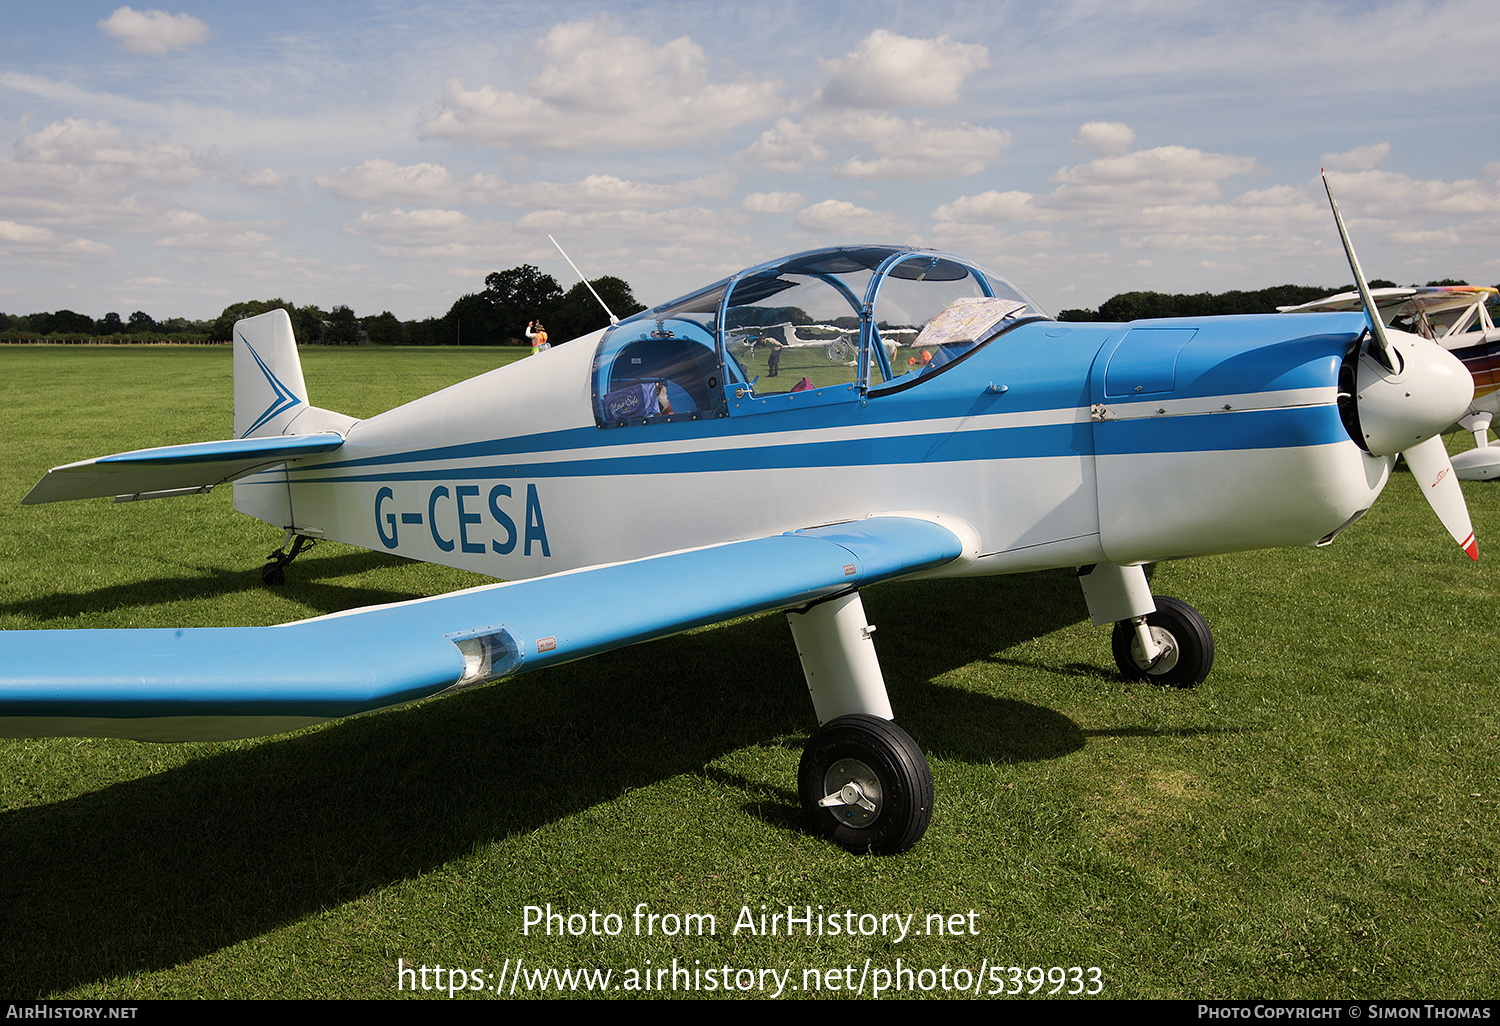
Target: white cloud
[
  {"x": 606, "y": 192},
  {"x": 10, "y": 231},
  {"x": 1361, "y": 158},
  {"x": 384, "y": 181},
  {"x": 600, "y": 89},
  {"x": 441, "y": 234},
  {"x": 1105, "y": 138},
  {"x": 153, "y": 33},
  {"x": 101, "y": 149},
  {"x": 886, "y": 70},
  {"x": 1165, "y": 174},
  {"x": 923, "y": 150},
  {"x": 898, "y": 148},
  {"x": 217, "y": 240},
  {"x": 34, "y": 241},
  {"x": 843, "y": 219},
  {"x": 89, "y": 176},
  {"x": 993, "y": 208},
  {"x": 1399, "y": 199},
  {"x": 772, "y": 202}
]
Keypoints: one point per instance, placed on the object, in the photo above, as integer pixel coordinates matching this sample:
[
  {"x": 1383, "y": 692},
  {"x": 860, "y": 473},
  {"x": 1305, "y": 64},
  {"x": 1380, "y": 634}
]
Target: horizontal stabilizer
[
  {"x": 175, "y": 469},
  {"x": 217, "y": 683}
]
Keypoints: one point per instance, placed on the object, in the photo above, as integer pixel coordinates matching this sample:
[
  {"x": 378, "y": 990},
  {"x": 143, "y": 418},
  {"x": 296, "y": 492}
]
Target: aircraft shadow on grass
[
  {"x": 206, "y": 582},
  {"x": 156, "y": 871}
]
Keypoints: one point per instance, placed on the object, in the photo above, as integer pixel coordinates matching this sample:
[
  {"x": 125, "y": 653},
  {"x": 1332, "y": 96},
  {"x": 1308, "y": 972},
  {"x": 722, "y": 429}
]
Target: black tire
[
  {"x": 1188, "y": 632},
  {"x": 273, "y": 575},
  {"x": 861, "y": 748}
]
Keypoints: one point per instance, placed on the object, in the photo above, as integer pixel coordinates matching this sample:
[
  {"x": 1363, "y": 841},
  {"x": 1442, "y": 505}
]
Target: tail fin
[
  {"x": 269, "y": 392},
  {"x": 270, "y": 399}
]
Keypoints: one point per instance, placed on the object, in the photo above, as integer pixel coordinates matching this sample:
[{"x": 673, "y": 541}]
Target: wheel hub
[
  {"x": 852, "y": 792},
  {"x": 1168, "y": 658}
]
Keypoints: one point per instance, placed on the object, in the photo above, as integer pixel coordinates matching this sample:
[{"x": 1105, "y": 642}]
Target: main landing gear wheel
[
  {"x": 865, "y": 785},
  {"x": 1184, "y": 633}
]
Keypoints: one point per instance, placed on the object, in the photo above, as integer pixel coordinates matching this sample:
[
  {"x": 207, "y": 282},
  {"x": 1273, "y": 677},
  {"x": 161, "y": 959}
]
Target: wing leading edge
[{"x": 204, "y": 684}]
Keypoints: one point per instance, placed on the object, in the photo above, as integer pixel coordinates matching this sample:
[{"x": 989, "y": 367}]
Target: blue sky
[{"x": 389, "y": 155}]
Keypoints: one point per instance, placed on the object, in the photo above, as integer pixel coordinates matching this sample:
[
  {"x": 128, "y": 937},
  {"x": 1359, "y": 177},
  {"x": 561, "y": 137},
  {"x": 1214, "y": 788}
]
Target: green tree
[
  {"x": 519, "y": 296},
  {"x": 307, "y": 324},
  {"x": 577, "y": 313},
  {"x": 342, "y": 327},
  {"x": 473, "y": 320},
  {"x": 62, "y": 322},
  {"x": 141, "y": 322},
  {"x": 385, "y": 330},
  {"x": 223, "y": 327}
]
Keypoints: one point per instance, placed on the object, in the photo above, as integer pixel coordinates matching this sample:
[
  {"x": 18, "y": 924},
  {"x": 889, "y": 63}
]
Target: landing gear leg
[
  {"x": 864, "y": 783},
  {"x": 1481, "y": 463},
  {"x": 1479, "y": 425},
  {"x": 1159, "y": 639},
  {"x": 274, "y": 572}
]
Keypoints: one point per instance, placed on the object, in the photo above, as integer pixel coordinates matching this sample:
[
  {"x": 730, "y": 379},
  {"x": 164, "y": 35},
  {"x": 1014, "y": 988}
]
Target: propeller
[{"x": 1408, "y": 389}]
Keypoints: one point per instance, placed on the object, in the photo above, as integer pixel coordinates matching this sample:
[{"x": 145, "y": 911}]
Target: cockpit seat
[{"x": 683, "y": 364}]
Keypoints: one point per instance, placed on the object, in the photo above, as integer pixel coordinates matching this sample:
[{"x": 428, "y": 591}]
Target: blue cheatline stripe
[
  {"x": 1245, "y": 429},
  {"x": 1045, "y": 440},
  {"x": 1213, "y": 432},
  {"x": 368, "y": 659}
]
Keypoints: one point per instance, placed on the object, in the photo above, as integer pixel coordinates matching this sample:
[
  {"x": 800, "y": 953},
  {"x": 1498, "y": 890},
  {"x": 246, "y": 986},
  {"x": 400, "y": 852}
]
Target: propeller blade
[
  {"x": 1431, "y": 467},
  {"x": 1377, "y": 326}
]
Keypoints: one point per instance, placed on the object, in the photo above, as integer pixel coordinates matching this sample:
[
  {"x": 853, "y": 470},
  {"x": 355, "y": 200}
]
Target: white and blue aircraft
[{"x": 676, "y": 470}]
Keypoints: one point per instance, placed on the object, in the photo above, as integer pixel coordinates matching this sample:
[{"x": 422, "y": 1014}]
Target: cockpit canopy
[{"x": 828, "y": 325}]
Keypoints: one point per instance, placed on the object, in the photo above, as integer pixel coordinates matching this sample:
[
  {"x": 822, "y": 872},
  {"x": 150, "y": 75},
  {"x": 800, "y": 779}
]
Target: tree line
[
  {"x": 1134, "y": 306},
  {"x": 496, "y": 316},
  {"x": 511, "y": 299}
]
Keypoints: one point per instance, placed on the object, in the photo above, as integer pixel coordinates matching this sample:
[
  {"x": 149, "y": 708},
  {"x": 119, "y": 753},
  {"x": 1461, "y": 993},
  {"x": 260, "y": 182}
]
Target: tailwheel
[
  {"x": 865, "y": 785},
  {"x": 273, "y": 574},
  {"x": 1182, "y": 643}
]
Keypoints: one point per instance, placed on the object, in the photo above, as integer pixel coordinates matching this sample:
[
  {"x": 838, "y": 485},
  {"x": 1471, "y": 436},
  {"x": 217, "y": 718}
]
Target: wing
[
  {"x": 175, "y": 469},
  {"x": 209, "y": 683}
]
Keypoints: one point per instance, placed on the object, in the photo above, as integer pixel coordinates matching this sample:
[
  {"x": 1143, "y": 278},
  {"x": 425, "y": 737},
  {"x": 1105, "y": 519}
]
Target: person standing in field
[{"x": 538, "y": 336}]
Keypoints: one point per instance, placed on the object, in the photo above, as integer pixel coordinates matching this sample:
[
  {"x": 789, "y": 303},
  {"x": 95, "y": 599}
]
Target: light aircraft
[
  {"x": 1456, "y": 317},
  {"x": 651, "y": 478}
]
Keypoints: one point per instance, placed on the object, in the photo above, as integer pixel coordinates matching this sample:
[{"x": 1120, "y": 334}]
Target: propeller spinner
[{"x": 1407, "y": 390}]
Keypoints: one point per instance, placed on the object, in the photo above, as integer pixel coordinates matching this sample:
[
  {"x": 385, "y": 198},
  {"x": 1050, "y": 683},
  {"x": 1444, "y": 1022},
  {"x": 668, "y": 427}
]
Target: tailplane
[{"x": 270, "y": 397}]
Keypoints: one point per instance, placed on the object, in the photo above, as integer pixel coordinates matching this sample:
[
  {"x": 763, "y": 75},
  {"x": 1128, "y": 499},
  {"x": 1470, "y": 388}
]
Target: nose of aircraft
[
  {"x": 1398, "y": 409},
  {"x": 1408, "y": 389},
  {"x": 1406, "y": 410}
]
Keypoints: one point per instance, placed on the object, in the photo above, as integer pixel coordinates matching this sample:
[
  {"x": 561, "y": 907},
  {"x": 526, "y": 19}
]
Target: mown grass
[{"x": 1317, "y": 820}]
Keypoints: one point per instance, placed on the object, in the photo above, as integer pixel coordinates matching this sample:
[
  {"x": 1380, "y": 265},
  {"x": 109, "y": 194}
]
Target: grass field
[{"x": 1317, "y": 820}]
